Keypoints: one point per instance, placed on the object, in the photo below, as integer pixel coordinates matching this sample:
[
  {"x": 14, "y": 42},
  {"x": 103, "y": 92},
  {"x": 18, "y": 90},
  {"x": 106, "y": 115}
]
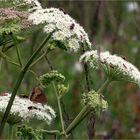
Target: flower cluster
[
  {"x": 95, "y": 101},
  {"x": 25, "y": 109},
  {"x": 55, "y": 76},
  {"x": 62, "y": 89},
  {"x": 12, "y": 21},
  {"x": 34, "y": 5},
  {"x": 68, "y": 31},
  {"x": 114, "y": 66},
  {"x": 26, "y": 132}
]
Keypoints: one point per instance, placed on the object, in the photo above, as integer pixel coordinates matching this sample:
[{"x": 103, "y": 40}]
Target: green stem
[
  {"x": 0, "y": 64},
  {"x": 35, "y": 75},
  {"x": 104, "y": 86},
  {"x": 7, "y": 58},
  {"x": 18, "y": 55},
  {"x": 51, "y": 132},
  {"x": 75, "y": 122},
  {"x": 38, "y": 59},
  {"x": 85, "y": 111},
  {"x": 19, "y": 80},
  {"x": 17, "y": 50},
  {"x": 61, "y": 101},
  {"x": 10, "y": 131},
  {"x": 59, "y": 108}
]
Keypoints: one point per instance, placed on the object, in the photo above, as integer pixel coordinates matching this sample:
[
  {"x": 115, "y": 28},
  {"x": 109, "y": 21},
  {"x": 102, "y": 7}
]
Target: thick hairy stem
[
  {"x": 51, "y": 132},
  {"x": 90, "y": 124},
  {"x": 104, "y": 86},
  {"x": 19, "y": 80},
  {"x": 85, "y": 111},
  {"x": 78, "y": 119},
  {"x": 87, "y": 77},
  {"x": 10, "y": 132}
]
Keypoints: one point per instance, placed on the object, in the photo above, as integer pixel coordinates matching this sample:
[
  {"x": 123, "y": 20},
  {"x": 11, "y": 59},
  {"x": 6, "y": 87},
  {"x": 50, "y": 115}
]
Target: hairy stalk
[
  {"x": 87, "y": 77},
  {"x": 38, "y": 59},
  {"x": 51, "y": 132},
  {"x": 10, "y": 131},
  {"x": 86, "y": 70},
  {"x": 104, "y": 86},
  {"x": 90, "y": 118},
  {"x": 5, "y": 49},
  {"x": 17, "y": 50},
  {"x": 35, "y": 75},
  {"x": 78, "y": 119},
  {"x": 65, "y": 114},
  {"x": 59, "y": 108},
  {"x": 18, "y": 55},
  {"x": 85, "y": 111},
  {"x": 1, "y": 64},
  {"x": 49, "y": 63},
  {"x": 19, "y": 80},
  {"x": 7, "y": 58}
]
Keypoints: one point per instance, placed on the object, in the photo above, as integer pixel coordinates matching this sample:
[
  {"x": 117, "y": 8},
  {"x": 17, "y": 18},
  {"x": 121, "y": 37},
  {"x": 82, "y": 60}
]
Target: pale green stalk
[
  {"x": 17, "y": 50},
  {"x": 51, "y": 132},
  {"x": 59, "y": 108},
  {"x": 75, "y": 122},
  {"x": 10, "y": 131},
  {"x": 4, "y": 56},
  {"x": 38, "y": 59}
]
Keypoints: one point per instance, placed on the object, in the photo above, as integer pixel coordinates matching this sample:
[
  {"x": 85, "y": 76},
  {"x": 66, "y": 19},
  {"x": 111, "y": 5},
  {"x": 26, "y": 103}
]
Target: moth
[{"x": 38, "y": 96}]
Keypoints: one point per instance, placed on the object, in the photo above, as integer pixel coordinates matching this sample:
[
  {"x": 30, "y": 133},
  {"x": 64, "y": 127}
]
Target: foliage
[
  {"x": 53, "y": 76},
  {"x": 95, "y": 101},
  {"x": 26, "y": 132},
  {"x": 112, "y": 26}
]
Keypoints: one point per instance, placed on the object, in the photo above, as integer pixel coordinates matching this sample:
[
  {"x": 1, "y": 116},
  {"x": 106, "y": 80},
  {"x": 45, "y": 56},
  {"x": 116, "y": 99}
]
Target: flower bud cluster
[
  {"x": 54, "y": 75},
  {"x": 95, "y": 101}
]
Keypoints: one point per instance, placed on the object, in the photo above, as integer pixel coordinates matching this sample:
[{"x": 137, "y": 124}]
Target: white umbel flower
[
  {"x": 34, "y": 3},
  {"x": 115, "y": 67},
  {"x": 132, "y": 6},
  {"x": 68, "y": 31},
  {"x": 25, "y": 109}
]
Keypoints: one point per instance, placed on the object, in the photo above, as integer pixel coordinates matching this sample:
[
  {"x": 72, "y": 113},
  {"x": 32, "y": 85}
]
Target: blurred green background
[{"x": 111, "y": 25}]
